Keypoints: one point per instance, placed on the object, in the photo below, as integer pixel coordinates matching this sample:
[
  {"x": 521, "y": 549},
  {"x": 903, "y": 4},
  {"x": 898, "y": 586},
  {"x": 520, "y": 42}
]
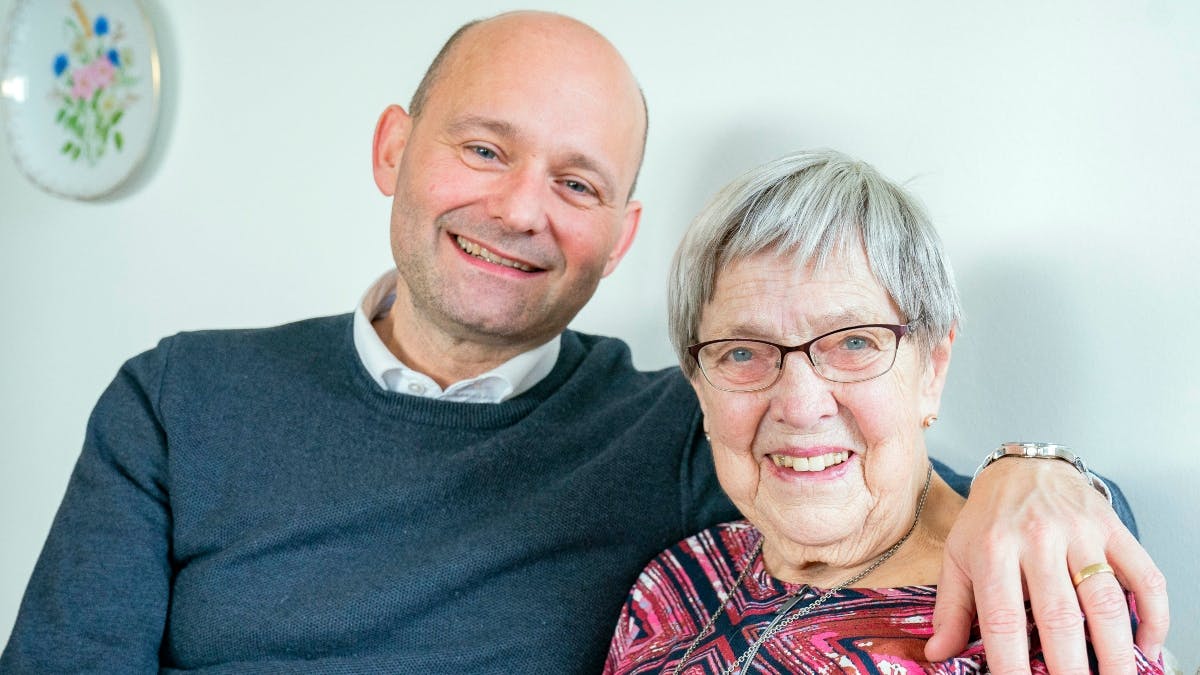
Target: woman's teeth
[{"x": 817, "y": 463}]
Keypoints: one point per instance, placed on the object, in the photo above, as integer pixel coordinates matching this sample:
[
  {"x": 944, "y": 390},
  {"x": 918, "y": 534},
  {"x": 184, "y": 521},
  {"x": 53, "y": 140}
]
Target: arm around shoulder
[
  {"x": 98, "y": 597},
  {"x": 1035, "y": 523}
]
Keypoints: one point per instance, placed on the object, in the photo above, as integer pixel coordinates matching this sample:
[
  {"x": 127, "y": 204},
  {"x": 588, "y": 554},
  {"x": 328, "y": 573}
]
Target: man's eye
[
  {"x": 578, "y": 186},
  {"x": 484, "y": 153}
]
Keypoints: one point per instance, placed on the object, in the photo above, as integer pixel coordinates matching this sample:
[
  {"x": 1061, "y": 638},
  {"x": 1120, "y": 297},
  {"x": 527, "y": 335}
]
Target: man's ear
[
  {"x": 629, "y": 226},
  {"x": 391, "y": 135}
]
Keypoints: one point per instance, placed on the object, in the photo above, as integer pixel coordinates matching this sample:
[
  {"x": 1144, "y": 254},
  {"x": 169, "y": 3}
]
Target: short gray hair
[{"x": 810, "y": 205}]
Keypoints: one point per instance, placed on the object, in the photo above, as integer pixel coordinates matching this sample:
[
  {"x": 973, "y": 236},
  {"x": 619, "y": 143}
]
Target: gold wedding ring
[{"x": 1098, "y": 568}]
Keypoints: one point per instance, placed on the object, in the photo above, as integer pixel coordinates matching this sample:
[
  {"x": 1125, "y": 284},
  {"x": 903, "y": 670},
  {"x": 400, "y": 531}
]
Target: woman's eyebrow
[
  {"x": 851, "y": 316},
  {"x": 854, "y": 316},
  {"x": 743, "y": 329}
]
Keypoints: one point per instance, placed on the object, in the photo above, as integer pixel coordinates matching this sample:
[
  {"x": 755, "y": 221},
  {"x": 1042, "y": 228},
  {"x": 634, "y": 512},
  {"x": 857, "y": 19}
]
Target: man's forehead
[
  {"x": 545, "y": 77},
  {"x": 580, "y": 116}
]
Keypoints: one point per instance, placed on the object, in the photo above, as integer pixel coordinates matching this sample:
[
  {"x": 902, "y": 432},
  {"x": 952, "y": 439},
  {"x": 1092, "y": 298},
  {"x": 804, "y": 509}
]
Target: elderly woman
[{"x": 814, "y": 311}]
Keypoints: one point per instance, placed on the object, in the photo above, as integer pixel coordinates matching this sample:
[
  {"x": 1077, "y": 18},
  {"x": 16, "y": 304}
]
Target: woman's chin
[
  {"x": 812, "y": 508},
  {"x": 813, "y": 527}
]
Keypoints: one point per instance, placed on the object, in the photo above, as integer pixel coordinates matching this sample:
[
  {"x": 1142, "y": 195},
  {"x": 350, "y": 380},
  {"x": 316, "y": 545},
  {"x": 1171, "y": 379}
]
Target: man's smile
[{"x": 482, "y": 253}]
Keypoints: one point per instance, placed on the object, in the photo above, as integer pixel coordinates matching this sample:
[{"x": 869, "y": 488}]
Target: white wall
[{"x": 1056, "y": 145}]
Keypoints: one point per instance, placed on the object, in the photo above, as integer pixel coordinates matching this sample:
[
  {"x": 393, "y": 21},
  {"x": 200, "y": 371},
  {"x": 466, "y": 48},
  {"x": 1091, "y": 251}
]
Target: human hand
[{"x": 1037, "y": 522}]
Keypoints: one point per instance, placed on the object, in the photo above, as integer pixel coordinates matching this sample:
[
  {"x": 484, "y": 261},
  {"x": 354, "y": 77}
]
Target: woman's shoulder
[
  {"x": 698, "y": 565},
  {"x": 724, "y": 543},
  {"x": 733, "y": 538}
]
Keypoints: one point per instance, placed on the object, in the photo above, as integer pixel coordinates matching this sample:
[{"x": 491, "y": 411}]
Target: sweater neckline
[{"x": 454, "y": 414}]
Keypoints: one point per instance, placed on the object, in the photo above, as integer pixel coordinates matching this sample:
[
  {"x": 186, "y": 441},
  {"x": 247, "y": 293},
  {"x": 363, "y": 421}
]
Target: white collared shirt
[{"x": 511, "y": 378}]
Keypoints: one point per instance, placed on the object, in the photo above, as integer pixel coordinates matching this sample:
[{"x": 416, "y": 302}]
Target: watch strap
[{"x": 1045, "y": 451}]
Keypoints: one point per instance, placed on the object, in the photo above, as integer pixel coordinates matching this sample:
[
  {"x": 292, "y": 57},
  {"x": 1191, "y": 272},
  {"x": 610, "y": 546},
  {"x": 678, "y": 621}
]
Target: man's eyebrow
[
  {"x": 473, "y": 122},
  {"x": 603, "y": 176}
]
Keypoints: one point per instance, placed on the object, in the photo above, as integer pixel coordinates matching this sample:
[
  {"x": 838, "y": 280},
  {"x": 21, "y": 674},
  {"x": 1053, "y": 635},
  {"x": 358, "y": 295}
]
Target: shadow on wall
[
  {"x": 694, "y": 176},
  {"x": 1018, "y": 367},
  {"x": 740, "y": 148}
]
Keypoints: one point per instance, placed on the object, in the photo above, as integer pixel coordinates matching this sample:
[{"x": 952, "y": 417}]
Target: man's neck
[{"x": 444, "y": 357}]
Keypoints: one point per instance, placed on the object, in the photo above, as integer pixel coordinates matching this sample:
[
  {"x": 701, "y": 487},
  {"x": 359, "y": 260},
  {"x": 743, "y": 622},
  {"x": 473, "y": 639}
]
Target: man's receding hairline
[{"x": 434, "y": 73}]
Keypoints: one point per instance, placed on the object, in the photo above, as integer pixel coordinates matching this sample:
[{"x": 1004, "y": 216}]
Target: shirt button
[{"x": 416, "y": 388}]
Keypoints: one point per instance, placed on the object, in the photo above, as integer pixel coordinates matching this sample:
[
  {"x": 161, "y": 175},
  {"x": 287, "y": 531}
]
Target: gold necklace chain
[{"x": 778, "y": 624}]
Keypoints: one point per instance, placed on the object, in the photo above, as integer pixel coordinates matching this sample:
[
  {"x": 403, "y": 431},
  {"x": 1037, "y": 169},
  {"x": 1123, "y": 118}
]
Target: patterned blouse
[{"x": 858, "y": 630}]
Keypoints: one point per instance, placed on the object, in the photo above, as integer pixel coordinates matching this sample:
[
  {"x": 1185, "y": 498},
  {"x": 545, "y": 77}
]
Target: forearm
[{"x": 962, "y": 485}]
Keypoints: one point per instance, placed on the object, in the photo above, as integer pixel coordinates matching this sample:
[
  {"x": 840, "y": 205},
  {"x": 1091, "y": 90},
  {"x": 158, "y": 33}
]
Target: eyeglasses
[{"x": 853, "y": 354}]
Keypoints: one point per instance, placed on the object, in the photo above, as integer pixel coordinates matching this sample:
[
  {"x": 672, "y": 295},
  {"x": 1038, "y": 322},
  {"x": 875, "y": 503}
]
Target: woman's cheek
[{"x": 735, "y": 424}]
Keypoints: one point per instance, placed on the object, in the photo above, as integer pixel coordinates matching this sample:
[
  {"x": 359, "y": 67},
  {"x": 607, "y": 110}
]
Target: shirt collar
[{"x": 507, "y": 380}]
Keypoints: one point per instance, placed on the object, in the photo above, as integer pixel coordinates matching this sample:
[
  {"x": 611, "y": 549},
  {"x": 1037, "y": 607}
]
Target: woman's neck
[{"x": 917, "y": 562}]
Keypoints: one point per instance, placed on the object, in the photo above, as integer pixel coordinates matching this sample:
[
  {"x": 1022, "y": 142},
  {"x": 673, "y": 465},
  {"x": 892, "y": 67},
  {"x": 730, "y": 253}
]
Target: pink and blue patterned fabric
[{"x": 877, "y": 631}]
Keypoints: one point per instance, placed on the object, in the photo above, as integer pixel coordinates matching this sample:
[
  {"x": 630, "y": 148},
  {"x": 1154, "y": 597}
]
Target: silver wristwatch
[{"x": 1045, "y": 451}]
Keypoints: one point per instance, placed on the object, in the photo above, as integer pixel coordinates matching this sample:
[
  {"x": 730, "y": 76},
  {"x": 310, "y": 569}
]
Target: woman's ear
[
  {"x": 698, "y": 387},
  {"x": 391, "y": 135},
  {"x": 935, "y": 372}
]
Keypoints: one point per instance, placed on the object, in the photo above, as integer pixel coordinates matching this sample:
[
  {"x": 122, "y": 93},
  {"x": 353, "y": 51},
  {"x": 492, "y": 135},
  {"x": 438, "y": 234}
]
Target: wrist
[{"x": 1045, "y": 451}]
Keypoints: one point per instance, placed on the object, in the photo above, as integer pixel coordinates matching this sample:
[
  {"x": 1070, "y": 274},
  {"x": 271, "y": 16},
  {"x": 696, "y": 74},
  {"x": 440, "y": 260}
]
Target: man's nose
[
  {"x": 801, "y": 399},
  {"x": 520, "y": 200}
]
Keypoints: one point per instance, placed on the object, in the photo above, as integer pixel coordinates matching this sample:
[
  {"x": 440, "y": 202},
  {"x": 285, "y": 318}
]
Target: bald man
[{"x": 446, "y": 480}]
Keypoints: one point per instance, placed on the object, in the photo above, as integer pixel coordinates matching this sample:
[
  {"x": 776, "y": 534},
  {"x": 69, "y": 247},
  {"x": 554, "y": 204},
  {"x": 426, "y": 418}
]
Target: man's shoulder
[
  {"x": 610, "y": 358},
  {"x": 299, "y": 345},
  {"x": 297, "y": 337},
  {"x": 317, "y": 330}
]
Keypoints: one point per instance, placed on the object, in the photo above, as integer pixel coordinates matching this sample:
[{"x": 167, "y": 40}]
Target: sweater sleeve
[{"x": 98, "y": 597}]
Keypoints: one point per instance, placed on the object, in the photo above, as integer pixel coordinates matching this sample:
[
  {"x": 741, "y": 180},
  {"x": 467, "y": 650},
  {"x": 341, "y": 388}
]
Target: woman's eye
[
  {"x": 854, "y": 343},
  {"x": 741, "y": 355},
  {"x": 858, "y": 343}
]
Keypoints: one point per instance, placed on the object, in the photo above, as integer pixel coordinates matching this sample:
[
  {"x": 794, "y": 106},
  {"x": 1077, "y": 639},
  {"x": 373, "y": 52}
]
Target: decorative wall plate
[{"x": 80, "y": 88}]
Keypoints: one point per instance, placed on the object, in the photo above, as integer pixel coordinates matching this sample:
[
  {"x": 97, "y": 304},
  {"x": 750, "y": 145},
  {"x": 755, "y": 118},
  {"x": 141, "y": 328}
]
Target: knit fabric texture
[{"x": 251, "y": 501}]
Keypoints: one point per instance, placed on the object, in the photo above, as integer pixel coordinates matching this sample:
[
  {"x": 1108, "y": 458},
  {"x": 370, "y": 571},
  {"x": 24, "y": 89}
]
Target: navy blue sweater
[{"x": 252, "y": 502}]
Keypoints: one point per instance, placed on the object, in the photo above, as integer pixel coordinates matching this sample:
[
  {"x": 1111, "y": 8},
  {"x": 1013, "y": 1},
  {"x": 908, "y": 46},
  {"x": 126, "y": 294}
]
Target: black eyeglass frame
[{"x": 899, "y": 329}]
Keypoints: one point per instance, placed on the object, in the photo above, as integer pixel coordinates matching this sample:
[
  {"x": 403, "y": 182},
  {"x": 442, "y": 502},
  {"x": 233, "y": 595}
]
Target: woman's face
[{"x": 850, "y": 504}]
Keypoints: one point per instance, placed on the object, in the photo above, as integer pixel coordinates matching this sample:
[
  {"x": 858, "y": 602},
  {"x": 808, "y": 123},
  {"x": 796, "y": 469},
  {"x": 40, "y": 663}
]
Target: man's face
[{"x": 511, "y": 190}]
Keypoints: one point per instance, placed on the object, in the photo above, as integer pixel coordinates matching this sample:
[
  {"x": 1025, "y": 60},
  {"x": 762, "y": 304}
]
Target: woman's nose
[{"x": 801, "y": 398}]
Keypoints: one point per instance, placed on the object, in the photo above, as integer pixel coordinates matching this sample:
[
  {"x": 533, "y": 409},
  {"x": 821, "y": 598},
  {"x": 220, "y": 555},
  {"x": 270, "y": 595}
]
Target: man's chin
[{"x": 502, "y": 328}]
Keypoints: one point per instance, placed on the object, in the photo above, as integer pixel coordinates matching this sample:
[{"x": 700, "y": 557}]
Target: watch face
[{"x": 80, "y": 90}]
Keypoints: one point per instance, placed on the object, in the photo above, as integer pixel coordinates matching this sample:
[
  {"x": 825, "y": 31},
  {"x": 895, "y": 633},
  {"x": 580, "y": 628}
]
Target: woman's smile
[{"x": 810, "y": 463}]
